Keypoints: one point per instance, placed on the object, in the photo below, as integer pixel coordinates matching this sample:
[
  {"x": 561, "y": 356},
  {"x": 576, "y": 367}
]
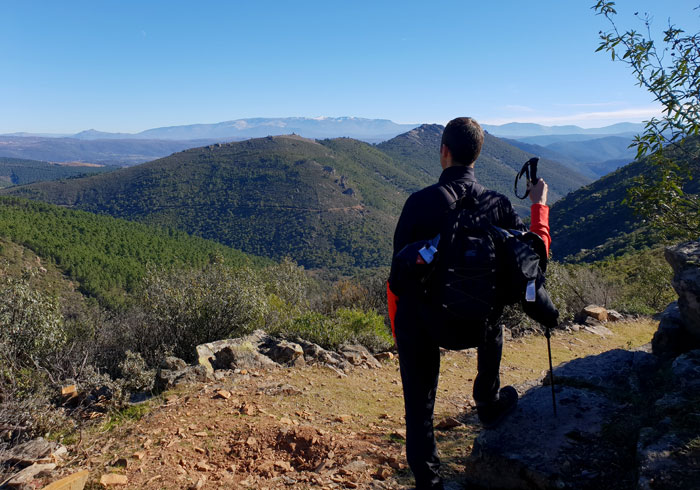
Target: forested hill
[
  {"x": 17, "y": 171},
  {"x": 327, "y": 204},
  {"x": 594, "y": 218},
  {"x": 495, "y": 168},
  {"x": 105, "y": 256},
  {"x": 274, "y": 197}
]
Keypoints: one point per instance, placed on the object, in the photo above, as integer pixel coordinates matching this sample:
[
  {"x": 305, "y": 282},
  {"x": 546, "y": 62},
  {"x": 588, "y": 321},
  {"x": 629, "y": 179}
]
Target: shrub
[
  {"x": 31, "y": 325},
  {"x": 343, "y": 326},
  {"x": 183, "y": 309}
]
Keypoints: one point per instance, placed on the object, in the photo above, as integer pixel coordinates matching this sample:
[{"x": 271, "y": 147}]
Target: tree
[{"x": 670, "y": 70}]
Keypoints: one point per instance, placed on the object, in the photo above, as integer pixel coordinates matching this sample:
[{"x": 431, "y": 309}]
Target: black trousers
[{"x": 419, "y": 360}]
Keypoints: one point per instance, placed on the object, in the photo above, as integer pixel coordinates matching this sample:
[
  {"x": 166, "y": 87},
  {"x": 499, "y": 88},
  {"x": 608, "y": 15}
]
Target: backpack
[
  {"x": 477, "y": 269},
  {"x": 463, "y": 287}
]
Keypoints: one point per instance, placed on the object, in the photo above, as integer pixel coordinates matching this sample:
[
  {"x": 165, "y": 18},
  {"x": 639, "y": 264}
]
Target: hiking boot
[{"x": 492, "y": 413}]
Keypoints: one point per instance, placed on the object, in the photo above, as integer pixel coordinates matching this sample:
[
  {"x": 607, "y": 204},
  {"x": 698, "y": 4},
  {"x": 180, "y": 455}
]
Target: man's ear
[{"x": 444, "y": 151}]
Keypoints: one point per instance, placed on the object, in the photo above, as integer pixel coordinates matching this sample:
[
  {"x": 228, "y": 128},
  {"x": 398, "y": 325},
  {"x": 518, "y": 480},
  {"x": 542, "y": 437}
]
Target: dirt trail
[{"x": 308, "y": 427}]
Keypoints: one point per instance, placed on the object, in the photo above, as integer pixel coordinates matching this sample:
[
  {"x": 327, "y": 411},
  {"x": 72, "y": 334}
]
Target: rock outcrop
[
  {"x": 685, "y": 261},
  {"x": 626, "y": 419},
  {"x": 262, "y": 351}
]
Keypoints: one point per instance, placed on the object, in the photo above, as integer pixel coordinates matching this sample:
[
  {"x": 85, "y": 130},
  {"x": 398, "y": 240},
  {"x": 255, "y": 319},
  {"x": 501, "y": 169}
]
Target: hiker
[{"x": 412, "y": 317}]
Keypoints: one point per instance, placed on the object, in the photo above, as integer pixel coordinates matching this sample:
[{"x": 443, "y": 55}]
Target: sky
[{"x": 127, "y": 66}]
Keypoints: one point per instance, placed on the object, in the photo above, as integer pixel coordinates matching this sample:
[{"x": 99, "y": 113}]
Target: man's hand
[{"x": 538, "y": 192}]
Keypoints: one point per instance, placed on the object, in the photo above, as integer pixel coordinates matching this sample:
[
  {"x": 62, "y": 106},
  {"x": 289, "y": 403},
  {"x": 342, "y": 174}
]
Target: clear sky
[{"x": 126, "y": 65}]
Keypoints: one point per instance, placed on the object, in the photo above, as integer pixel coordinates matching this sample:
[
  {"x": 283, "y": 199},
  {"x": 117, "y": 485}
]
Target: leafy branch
[{"x": 670, "y": 71}]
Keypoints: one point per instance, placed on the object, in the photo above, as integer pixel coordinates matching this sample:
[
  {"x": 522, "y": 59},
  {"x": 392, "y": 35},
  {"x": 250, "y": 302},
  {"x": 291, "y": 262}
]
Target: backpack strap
[{"x": 466, "y": 195}]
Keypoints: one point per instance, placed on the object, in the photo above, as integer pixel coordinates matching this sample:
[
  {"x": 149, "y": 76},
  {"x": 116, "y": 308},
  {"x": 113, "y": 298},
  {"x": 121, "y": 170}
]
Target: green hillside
[
  {"x": 496, "y": 168},
  {"x": 272, "y": 197},
  {"x": 105, "y": 256},
  {"x": 327, "y": 204},
  {"x": 592, "y": 222},
  {"x": 16, "y": 171}
]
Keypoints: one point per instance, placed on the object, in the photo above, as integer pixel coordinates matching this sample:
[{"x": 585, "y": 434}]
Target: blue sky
[{"x": 133, "y": 65}]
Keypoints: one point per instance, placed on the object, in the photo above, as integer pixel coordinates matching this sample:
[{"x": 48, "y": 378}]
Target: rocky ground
[{"x": 307, "y": 426}]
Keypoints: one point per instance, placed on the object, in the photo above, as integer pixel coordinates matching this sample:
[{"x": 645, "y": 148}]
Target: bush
[
  {"x": 31, "y": 326},
  {"x": 183, "y": 309},
  {"x": 342, "y": 326}
]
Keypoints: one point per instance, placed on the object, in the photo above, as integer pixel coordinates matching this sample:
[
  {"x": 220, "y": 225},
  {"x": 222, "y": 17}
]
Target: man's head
[{"x": 461, "y": 142}]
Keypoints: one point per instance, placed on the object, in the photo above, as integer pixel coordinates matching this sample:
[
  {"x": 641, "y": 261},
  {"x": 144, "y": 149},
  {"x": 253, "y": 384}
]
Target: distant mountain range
[
  {"x": 371, "y": 130},
  {"x": 131, "y": 148},
  {"x": 524, "y": 130},
  {"x": 594, "y": 158},
  {"x": 327, "y": 204}
]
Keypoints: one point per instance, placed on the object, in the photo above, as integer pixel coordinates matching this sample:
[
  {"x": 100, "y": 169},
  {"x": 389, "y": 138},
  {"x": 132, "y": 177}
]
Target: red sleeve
[
  {"x": 539, "y": 223},
  {"x": 392, "y": 301}
]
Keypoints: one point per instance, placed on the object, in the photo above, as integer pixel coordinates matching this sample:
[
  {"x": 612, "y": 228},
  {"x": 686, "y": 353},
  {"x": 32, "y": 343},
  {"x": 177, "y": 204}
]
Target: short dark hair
[{"x": 463, "y": 137}]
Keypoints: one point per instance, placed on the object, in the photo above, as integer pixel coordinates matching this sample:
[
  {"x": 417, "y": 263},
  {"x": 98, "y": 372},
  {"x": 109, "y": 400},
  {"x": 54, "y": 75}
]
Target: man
[{"x": 419, "y": 354}]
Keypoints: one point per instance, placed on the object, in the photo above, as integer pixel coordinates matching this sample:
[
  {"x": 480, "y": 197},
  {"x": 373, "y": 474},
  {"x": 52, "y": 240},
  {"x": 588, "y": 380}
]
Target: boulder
[
  {"x": 36, "y": 451},
  {"x": 534, "y": 449},
  {"x": 615, "y": 316},
  {"x": 25, "y": 477},
  {"x": 284, "y": 352},
  {"x": 671, "y": 338},
  {"x": 685, "y": 261},
  {"x": 315, "y": 354},
  {"x": 358, "y": 355},
  {"x": 615, "y": 371},
  {"x": 686, "y": 371},
  {"x": 241, "y": 353},
  {"x": 597, "y": 312},
  {"x": 661, "y": 465},
  {"x": 172, "y": 363},
  {"x": 167, "y": 379}
]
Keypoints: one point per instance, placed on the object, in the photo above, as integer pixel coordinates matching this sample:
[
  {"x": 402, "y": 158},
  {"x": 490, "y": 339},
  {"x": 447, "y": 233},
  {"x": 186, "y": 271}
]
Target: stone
[
  {"x": 241, "y": 353},
  {"x": 203, "y": 466},
  {"x": 686, "y": 371},
  {"x": 357, "y": 355},
  {"x": 36, "y": 451},
  {"x": 28, "y": 474},
  {"x": 284, "y": 352},
  {"x": 113, "y": 479},
  {"x": 614, "y": 371},
  {"x": 166, "y": 379},
  {"x": 448, "y": 423},
  {"x": 384, "y": 356},
  {"x": 314, "y": 353},
  {"x": 529, "y": 448},
  {"x": 685, "y": 261},
  {"x": 598, "y": 330},
  {"x": 172, "y": 363},
  {"x": 597, "y": 312},
  {"x": 615, "y": 316},
  {"x": 222, "y": 394},
  {"x": 76, "y": 481},
  {"x": 671, "y": 338},
  {"x": 659, "y": 464}
]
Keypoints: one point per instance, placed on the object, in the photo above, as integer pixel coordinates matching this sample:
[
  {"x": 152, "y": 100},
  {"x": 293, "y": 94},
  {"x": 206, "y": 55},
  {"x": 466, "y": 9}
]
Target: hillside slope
[
  {"x": 106, "y": 257},
  {"x": 16, "y": 171},
  {"x": 417, "y": 151},
  {"x": 327, "y": 204},
  {"x": 273, "y": 197},
  {"x": 592, "y": 222}
]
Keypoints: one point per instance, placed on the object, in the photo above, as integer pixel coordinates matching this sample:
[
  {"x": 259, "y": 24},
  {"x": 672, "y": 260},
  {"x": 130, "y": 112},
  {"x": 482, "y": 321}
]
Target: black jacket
[{"x": 424, "y": 213}]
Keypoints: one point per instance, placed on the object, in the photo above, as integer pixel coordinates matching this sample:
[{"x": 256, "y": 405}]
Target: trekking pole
[{"x": 551, "y": 369}]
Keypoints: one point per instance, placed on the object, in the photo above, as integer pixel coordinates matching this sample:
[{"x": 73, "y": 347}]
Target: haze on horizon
[{"x": 132, "y": 66}]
